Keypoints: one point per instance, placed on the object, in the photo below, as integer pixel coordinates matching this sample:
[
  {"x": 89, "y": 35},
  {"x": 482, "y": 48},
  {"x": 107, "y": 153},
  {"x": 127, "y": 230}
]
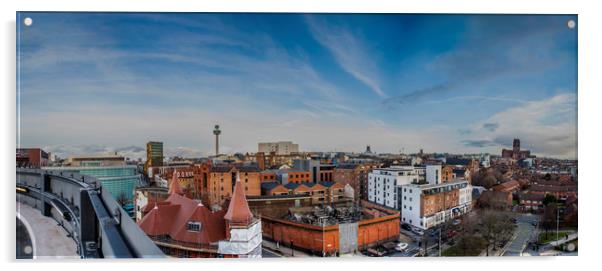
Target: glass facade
[{"x": 120, "y": 181}]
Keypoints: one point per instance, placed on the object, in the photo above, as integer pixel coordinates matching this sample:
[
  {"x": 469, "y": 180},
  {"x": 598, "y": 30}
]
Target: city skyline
[{"x": 442, "y": 83}]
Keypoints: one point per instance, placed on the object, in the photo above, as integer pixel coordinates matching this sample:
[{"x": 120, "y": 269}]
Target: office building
[
  {"x": 154, "y": 155},
  {"x": 119, "y": 179},
  {"x": 280, "y": 147}
]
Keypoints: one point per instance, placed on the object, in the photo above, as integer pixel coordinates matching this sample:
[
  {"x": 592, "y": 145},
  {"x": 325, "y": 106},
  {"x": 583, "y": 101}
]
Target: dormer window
[{"x": 194, "y": 226}]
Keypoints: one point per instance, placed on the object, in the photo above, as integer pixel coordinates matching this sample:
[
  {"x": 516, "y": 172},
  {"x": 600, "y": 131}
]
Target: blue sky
[{"x": 91, "y": 82}]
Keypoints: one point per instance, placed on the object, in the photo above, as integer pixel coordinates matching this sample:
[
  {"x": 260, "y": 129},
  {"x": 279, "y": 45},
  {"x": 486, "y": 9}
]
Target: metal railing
[{"x": 101, "y": 228}]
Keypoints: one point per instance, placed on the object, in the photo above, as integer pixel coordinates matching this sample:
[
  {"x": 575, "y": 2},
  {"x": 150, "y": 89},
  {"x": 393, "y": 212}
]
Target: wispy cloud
[
  {"x": 547, "y": 127},
  {"x": 112, "y": 82},
  {"x": 349, "y": 51},
  {"x": 495, "y": 47}
]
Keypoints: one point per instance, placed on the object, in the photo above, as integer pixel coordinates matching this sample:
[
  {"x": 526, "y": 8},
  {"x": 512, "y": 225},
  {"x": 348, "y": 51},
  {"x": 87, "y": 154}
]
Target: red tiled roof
[
  {"x": 238, "y": 210},
  {"x": 550, "y": 188},
  {"x": 171, "y": 218},
  {"x": 507, "y": 186}
]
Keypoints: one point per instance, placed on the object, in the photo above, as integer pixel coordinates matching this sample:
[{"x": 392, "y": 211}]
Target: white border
[{"x": 589, "y": 123}]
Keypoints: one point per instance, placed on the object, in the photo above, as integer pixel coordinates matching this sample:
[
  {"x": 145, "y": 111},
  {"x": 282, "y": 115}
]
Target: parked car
[
  {"x": 456, "y": 222},
  {"x": 406, "y": 227},
  {"x": 401, "y": 246},
  {"x": 374, "y": 253}
]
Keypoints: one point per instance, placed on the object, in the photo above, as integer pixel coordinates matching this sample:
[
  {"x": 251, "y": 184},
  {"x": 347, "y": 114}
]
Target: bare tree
[
  {"x": 549, "y": 217},
  {"x": 496, "y": 228}
]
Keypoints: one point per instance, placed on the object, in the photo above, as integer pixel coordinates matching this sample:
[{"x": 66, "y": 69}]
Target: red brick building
[
  {"x": 352, "y": 174},
  {"x": 222, "y": 178},
  {"x": 377, "y": 226},
  {"x": 32, "y": 157}
]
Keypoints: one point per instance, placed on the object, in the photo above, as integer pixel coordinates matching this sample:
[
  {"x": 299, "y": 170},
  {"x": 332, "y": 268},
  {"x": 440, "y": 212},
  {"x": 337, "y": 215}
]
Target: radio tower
[{"x": 217, "y": 132}]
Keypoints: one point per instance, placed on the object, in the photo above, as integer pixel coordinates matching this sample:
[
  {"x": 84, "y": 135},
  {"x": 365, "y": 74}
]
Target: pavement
[
  {"x": 525, "y": 232},
  {"x": 569, "y": 238},
  {"x": 272, "y": 249},
  {"x": 48, "y": 239},
  {"x": 266, "y": 253},
  {"x": 550, "y": 248}
]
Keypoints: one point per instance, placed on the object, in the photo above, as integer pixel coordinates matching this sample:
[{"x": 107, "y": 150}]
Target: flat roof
[{"x": 427, "y": 186}]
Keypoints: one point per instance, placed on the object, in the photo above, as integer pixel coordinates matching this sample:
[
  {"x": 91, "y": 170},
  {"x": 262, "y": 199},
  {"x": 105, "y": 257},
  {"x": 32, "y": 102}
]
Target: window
[{"x": 194, "y": 226}]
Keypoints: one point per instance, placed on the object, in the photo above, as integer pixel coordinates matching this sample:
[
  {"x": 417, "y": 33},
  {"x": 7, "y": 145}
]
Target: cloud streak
[
  {"x": 530, "y": 122},
  {"x": 112, "y": 82},
  {"x": 494, "y": 48},
  {"x": 349, "y": 52}
]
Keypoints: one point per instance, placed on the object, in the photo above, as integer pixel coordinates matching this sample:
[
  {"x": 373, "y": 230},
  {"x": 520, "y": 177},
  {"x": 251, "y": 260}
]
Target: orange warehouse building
[{"x": 377, "y": 226}]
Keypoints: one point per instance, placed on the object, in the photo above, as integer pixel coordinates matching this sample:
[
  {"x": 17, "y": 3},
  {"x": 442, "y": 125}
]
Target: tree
[
  {"x": 549, "y": 217},
  {"x": 547, "y": 177},
  {"x": 549, "y": 198},
  {"x": 485, "y": 179},
  {"x": 465, "y": 244},
  {"x": 496, "y": 228}
]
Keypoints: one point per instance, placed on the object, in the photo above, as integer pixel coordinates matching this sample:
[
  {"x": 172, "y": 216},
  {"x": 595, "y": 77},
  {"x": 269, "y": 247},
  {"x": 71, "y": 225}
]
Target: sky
[{"x": 95, "y": 82}]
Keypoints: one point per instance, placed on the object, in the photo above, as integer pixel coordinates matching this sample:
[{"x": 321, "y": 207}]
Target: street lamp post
[
  {"x": 557, "y": 221},
  {"x": 439, "y": 242},
  {"x": 323, "y": 240}
]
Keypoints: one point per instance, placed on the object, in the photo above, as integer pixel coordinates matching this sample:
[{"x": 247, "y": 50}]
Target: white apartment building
[
  {"x": 419, "y": 193},
  {"x": 384, "y": 183},
  {"x": 280, "y": 147}
]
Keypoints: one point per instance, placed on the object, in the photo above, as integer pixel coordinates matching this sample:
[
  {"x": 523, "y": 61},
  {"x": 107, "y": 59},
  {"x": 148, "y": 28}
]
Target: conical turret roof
[
  {"x": 238, "y": 210},
  {"x": 174, "y": 186}
]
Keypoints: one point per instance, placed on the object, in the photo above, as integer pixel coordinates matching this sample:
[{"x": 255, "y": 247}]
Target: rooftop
[{"x": 428, "y": 186}]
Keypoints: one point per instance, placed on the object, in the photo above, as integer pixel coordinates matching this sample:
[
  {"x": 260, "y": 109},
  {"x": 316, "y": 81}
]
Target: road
[
  {"x": 524, "y": 233},
  {"x": 415, "y": 242}
]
